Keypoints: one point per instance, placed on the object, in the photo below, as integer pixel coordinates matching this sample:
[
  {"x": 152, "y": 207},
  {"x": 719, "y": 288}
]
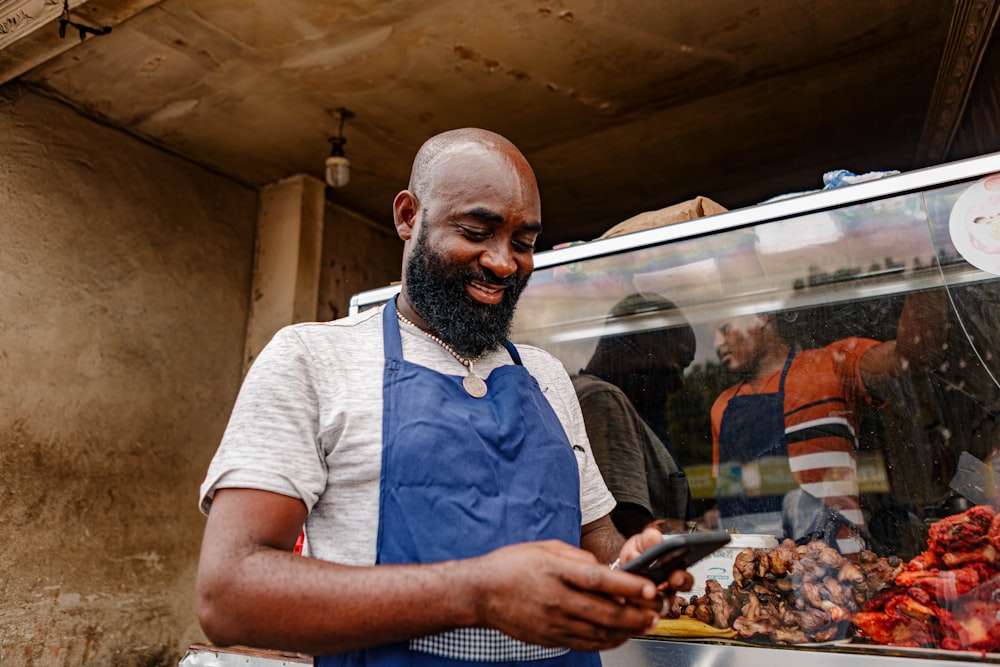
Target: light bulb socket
[{"x": 337, "y": 146}]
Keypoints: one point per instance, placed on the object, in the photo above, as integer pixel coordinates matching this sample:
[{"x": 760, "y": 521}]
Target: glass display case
[{"x": 874, "y": 480}]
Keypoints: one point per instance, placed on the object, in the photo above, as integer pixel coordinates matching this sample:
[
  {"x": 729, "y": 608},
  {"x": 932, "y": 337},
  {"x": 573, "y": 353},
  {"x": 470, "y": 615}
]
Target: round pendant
[{"x": 474, "y": 385}]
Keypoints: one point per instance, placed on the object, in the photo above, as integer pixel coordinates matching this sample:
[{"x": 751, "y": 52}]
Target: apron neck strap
[
  {"x": 512, "y": 351},
  {"x": 784, "y": 371},
  {"x": 390, "y": 331}
]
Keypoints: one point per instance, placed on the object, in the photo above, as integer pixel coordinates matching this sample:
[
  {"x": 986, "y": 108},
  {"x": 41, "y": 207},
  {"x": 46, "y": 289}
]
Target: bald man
[{"x": 453, "y": 511}]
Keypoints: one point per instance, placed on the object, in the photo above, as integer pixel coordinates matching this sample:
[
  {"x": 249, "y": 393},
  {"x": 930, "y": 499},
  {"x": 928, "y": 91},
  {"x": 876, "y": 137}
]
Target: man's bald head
[{"x": 441, "y": 145}]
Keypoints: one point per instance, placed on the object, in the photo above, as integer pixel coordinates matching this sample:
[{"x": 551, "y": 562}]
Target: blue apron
[
  {"x": 461, "y": 477},
  {"x": 752, "y": 427}
]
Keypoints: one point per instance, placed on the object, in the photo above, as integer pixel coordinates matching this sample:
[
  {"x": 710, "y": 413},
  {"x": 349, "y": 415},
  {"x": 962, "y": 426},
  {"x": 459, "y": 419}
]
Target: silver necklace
[{"x": 474, "y": 385}]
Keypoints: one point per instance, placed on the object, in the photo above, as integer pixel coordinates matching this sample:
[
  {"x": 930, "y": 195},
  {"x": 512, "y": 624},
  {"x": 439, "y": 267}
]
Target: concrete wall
[
  {"x": 124, "y": 287},
  {"x": 357, "y": 256},
  {"x": 125, "y": 283}
]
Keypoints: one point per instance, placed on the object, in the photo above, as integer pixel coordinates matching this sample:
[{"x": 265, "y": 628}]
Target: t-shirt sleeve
[
  {"x": 271, "y": 440},
  {"x": 616, "y": 440},
  {"x": 596, "y": 500},
  {"x": 847, "y": 355}
]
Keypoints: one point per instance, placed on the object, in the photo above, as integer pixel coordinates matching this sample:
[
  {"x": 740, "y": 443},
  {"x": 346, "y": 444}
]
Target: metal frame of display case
[
  {"x": 634, "y": 653},
  {"x": 792, "y": 207},
  {"x": 678, "y": 652},
  {"x": 640, "y": 652}
]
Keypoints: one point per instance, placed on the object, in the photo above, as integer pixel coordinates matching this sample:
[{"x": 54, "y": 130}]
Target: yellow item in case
[{"x": 685, "y": 626}]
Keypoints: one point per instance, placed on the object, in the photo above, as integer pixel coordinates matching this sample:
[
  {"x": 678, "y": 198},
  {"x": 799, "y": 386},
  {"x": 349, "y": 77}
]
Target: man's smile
[{"x": 486, "y": 292}]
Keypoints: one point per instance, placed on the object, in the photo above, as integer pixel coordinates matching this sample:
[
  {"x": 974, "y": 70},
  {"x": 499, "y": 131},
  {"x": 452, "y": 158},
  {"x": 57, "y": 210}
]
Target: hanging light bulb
[{"x": 338, "y": 167}]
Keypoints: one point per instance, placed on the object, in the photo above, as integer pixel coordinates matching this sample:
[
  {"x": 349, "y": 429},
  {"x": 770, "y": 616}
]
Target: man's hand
[
  {"x": 679, "y": 580},
  {"x": 552, "y": 594}
]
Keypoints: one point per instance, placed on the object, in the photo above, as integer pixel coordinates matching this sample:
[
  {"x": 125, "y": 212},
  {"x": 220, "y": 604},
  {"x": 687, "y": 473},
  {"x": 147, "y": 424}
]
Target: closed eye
[{"x": 475, "y": 235}]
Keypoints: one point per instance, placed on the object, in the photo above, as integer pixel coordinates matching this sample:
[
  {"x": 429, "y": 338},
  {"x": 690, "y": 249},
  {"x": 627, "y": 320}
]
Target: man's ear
[
  {"x": 764, "y": 319},
  {"x": 404, "y": 214}
]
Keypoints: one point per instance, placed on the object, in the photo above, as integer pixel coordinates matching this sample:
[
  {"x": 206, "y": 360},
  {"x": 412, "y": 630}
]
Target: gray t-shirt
[
  {"x": 634, "y": 462},
  {"x": 308, "y": 424}
]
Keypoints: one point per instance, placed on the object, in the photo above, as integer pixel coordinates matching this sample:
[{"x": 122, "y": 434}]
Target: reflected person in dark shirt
[{"x": 623, "y": 394}]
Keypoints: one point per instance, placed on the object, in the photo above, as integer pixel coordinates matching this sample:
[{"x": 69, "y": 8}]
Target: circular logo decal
[{"x": 975, "y": 224}]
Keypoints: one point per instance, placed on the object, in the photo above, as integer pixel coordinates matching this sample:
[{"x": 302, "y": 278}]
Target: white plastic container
[{"x": 719, "y": 565}]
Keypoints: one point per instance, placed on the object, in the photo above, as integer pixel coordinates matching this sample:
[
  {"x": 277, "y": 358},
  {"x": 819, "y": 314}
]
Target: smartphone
[{"x": 676, "y": 552}]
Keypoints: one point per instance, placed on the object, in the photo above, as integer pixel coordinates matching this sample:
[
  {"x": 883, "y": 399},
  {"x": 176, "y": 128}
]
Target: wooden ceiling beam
[
  {"x": 29, "y": 29},
  {"x": 972, "y": 25}
]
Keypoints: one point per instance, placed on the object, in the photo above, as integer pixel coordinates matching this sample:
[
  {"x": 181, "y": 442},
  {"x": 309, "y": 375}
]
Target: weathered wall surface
[
  {"x": 124, "y": 284},
  {"x": 357, "y": 256}
]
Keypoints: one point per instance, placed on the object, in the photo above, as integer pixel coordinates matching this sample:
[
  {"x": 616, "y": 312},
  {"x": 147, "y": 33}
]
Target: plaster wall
[
  {"x": 125, "y": 276},
  {"x": 357, "y": 256}
]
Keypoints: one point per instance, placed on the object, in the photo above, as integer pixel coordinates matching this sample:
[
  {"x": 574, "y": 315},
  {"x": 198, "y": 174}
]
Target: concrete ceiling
[{"x": 621, "y": 107}]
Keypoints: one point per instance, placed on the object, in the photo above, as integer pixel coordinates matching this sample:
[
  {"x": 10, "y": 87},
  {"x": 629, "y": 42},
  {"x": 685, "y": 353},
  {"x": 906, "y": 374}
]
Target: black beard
[{"x": 437, "y": 292}]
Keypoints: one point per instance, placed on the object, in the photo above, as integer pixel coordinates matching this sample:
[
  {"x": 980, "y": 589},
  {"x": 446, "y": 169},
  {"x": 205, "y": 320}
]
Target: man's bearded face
[{"x": 436, "y": 290}]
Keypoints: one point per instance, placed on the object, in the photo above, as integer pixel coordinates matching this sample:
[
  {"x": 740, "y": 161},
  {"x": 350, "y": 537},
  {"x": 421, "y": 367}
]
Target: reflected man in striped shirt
[{"x": 785, "y": 435}]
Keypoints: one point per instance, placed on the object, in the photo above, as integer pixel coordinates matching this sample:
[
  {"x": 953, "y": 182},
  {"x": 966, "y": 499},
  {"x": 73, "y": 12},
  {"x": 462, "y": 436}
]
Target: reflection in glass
[{"x": 849, "y": 273}]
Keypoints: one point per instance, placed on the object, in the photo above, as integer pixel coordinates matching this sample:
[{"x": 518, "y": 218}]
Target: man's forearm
[
  {"x": 546, "y": 593},
  {"x": 919, "y": 344},
  {"x": 252, "y": 590},
  {"x": 602, "y": 539},
  {"x": 282, "y": 601},
  {"x": 922, "y": 330}
]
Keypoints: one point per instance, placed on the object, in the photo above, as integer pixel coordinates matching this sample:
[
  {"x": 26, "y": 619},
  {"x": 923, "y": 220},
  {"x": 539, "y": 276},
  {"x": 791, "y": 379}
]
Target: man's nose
[
  {"x": 717, "y": 340},
  {"x": 499, "y": 259}
]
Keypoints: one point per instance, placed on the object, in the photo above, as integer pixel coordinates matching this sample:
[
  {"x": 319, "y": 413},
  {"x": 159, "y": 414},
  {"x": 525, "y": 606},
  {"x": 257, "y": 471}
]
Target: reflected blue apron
[
  {"x": 461, "y": 477},
  {"x": 752, "y": 427}
]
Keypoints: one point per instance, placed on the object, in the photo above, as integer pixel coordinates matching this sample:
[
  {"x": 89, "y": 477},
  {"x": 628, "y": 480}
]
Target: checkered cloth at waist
[{"x": 483, "y": 645}]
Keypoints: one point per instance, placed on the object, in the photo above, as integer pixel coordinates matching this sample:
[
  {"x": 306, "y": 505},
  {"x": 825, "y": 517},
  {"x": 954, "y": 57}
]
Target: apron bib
[
  {"x": 752, "y": 427},
  {"x": 463, "y": 476}
]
